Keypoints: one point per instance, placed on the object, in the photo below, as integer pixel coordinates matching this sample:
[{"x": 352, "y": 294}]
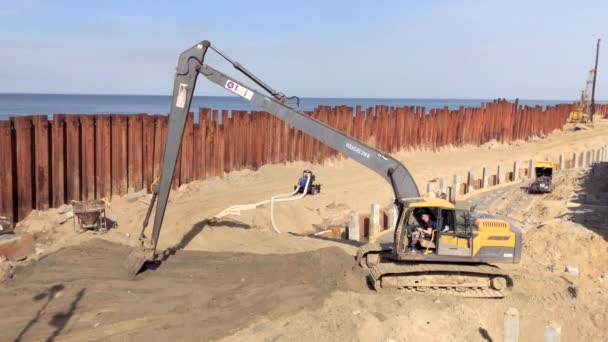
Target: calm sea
[{"x": 27, "y": 104}]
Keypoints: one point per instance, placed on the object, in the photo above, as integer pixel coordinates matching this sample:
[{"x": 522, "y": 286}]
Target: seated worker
[{"x": 423, "y": 232}]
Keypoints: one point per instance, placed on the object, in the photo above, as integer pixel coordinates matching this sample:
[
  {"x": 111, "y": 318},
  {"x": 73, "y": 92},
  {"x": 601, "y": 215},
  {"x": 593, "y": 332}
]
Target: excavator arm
[{"x": 190, "y": 65}]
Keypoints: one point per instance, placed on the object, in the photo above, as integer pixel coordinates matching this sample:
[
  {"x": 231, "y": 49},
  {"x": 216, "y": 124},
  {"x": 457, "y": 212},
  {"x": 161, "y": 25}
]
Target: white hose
[
  {"x": 236, "y": 209},
  {"x": 277, "y": 199}
]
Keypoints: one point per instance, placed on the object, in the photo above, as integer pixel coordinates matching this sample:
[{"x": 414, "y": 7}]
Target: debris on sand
[
  {"x": 6, "y": 269},
  {"x": 5, "y": 225}
]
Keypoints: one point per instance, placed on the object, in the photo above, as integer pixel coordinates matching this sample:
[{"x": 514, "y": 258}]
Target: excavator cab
[{"x": 452, "y": 236}]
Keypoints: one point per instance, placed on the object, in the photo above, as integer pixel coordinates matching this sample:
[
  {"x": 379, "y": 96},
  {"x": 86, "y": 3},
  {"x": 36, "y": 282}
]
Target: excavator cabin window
[{"x": 453, "y": 222}]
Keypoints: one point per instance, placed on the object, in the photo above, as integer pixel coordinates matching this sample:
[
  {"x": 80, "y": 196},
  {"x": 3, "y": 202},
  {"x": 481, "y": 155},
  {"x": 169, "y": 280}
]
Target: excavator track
[
  {"x": 471, "y": 281},
  {"x": 366, "y": 249}
]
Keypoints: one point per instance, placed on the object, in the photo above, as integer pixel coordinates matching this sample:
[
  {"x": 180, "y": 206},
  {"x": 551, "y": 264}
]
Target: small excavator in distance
[
  {"x": 455, "y": 259},
  {"x": 543, "y": 183}
]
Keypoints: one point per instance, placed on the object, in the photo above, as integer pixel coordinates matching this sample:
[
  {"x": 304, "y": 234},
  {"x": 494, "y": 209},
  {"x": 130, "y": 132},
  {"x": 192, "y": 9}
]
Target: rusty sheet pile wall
[{"x": 46, "y": 163}]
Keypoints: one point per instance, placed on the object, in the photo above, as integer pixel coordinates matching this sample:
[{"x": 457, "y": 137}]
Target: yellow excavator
[{"x": 455, "y": 253}]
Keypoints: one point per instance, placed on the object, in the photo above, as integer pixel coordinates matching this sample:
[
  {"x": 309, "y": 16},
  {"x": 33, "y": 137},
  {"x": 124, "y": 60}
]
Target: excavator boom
[{"x": 190, "y": 64}]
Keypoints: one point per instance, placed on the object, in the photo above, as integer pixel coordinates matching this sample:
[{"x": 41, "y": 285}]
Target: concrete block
[
  {"x": 515, "y": 170},
  {"x": 442, "y": 185},
  {"x": 553, "y": 332},
  {"x": 353, "y": 227},
  {"x": 499, "y": 175},
  {"x": 5, "y": 225},
  {"x": 17, "y": 247},
  {"x": 470, "y": 182},
  {"x": 374, "y": 224},
  {"x": 455, "y": 188},
  {"x": 582, "y": 159},
  {"x": 572, "y": 270},
  {"x": 511, "y": 325}
]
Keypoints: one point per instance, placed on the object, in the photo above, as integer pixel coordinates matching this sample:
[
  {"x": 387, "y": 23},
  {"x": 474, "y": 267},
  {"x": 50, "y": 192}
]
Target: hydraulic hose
[
  {"x": 236, "y": 209},
  {"x": 278, "y": 199}
]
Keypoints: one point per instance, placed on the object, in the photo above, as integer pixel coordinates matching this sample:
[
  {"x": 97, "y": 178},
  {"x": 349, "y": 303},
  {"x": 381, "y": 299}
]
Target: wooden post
[
  {"x": 87, "y": 126},
  {"x": 42, "y": 165},
  {"x": 58, "y": 159},
  {"x": 23, "y": 165},
  {"x": 135, "y": 151},
  {"x": 119, "y": 155},
  {"x": 531, "y": 169},
  {"x": 148, "y": 151},
  {"x": 7, "y": 205},
  {"x": 72, "y": 153},
  {"x": 484, "y": 177},
  {"x": 103, "y": 156}
]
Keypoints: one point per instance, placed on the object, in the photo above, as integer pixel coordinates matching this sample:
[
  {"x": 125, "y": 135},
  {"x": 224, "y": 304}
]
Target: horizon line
[{"x": 304, "y": 97}]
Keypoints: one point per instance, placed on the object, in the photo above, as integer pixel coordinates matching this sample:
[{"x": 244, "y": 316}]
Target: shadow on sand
[
  {"x": 592, "y": 201},
  {"x": 196, "y": 229},
  {"x": 59, "y": 320}
]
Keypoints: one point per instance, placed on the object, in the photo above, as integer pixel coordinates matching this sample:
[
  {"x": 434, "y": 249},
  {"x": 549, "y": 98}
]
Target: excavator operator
[{"x": 425, "y": 230}]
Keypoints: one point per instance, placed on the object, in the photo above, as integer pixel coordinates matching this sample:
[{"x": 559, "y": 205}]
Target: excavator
[{"x": 456, "y": 258}]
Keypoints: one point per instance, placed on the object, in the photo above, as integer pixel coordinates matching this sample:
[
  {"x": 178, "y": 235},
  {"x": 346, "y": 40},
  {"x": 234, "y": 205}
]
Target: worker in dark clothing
[{"x": 425, "y": 231}]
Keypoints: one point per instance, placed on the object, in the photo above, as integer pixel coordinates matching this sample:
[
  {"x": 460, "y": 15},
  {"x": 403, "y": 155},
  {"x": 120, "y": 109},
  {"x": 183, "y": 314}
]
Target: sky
[{"x": 376, "y": 49}]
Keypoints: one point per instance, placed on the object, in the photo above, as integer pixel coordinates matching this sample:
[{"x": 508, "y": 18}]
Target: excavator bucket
[{"x": 135, "y": 262}]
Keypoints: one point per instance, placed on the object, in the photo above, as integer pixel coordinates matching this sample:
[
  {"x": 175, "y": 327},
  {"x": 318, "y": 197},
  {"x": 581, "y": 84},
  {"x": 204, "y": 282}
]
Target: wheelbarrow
[{"x": 90, "y": 215}]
